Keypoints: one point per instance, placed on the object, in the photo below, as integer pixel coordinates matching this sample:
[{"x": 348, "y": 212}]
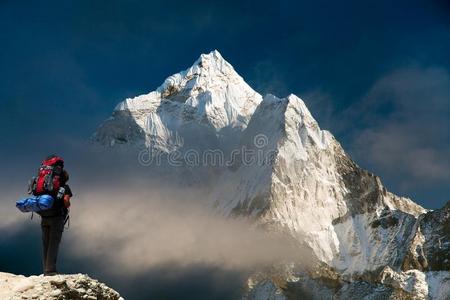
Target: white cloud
[{"x": 406, "y": 125}]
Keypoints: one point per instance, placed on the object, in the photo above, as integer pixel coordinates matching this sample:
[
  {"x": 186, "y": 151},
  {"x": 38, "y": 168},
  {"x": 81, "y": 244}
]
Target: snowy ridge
[
  {"x": 209, "y": 97},
  {"x": 307, "y": 191}
]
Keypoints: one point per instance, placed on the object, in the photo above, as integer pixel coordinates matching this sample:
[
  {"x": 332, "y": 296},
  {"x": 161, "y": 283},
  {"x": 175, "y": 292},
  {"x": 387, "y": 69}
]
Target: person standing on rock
[{"x": 52, "y": 180}]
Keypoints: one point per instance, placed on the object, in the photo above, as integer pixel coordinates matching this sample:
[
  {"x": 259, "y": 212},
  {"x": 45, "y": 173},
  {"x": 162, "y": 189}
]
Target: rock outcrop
[{"x": 58, "y": 287}]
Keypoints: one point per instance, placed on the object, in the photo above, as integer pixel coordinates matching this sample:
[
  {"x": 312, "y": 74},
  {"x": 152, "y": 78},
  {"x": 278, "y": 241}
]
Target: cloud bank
[
  {"x": 138, "y": 229},
  {"x": 406, "y": 120}
]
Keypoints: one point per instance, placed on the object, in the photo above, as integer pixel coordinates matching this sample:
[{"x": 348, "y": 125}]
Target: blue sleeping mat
[{"x": 35, "y": 203}]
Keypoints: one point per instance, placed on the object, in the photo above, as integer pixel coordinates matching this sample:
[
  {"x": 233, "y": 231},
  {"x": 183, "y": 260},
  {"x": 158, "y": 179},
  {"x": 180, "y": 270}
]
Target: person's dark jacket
[{"x": 58, "y": 208}]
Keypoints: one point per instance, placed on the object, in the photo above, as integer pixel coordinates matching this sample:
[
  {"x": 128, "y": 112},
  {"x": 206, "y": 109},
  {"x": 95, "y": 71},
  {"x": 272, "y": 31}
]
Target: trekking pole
[{"x": 67, "y": 220}]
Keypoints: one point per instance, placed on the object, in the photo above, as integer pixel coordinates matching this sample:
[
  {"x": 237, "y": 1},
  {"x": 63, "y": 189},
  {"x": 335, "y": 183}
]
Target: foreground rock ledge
[{"x": 74, "y": 286}]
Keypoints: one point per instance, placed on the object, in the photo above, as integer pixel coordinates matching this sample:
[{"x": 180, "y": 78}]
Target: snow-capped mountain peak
[
  {"x": 209, "y": 95},
  {"x": 305, "y": 187},
  {"x": 210, "y": 72}
]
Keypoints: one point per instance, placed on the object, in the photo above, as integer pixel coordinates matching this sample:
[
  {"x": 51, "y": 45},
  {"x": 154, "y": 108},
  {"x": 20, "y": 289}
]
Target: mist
[{"x": 141, "y": 230}]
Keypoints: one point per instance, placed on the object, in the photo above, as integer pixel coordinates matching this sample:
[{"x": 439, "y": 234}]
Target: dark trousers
[{"x": 52, "y": 229}]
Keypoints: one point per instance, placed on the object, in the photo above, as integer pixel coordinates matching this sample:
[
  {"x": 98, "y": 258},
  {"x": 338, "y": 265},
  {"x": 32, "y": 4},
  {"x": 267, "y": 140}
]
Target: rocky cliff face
[
  {"x": 360, "y": 239},
  {"x": 76, "y": 286}
]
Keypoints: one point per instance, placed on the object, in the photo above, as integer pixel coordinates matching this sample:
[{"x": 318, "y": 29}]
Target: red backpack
[{"x": 48, "y": 180}]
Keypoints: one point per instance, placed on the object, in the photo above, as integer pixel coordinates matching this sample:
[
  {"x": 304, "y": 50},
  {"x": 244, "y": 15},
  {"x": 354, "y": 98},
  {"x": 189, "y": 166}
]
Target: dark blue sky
[{"x": 375, "y": 73}]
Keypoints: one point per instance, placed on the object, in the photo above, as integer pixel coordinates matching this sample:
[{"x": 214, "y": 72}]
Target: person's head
[{"x": 66, "y": 174}]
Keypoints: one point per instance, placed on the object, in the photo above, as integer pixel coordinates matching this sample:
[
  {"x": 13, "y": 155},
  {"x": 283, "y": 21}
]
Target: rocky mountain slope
[
  {"x": 77, "y": 286},
  {"x": 292, "y": 178}
]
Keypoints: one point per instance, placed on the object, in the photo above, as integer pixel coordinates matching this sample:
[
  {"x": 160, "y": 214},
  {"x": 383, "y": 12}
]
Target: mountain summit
[
  {"x": 361, "y": 240},
  {"x": 209, "y": 99}
]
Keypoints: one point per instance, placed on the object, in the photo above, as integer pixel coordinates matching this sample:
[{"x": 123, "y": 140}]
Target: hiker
[{"x": 52, "y": 180}]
